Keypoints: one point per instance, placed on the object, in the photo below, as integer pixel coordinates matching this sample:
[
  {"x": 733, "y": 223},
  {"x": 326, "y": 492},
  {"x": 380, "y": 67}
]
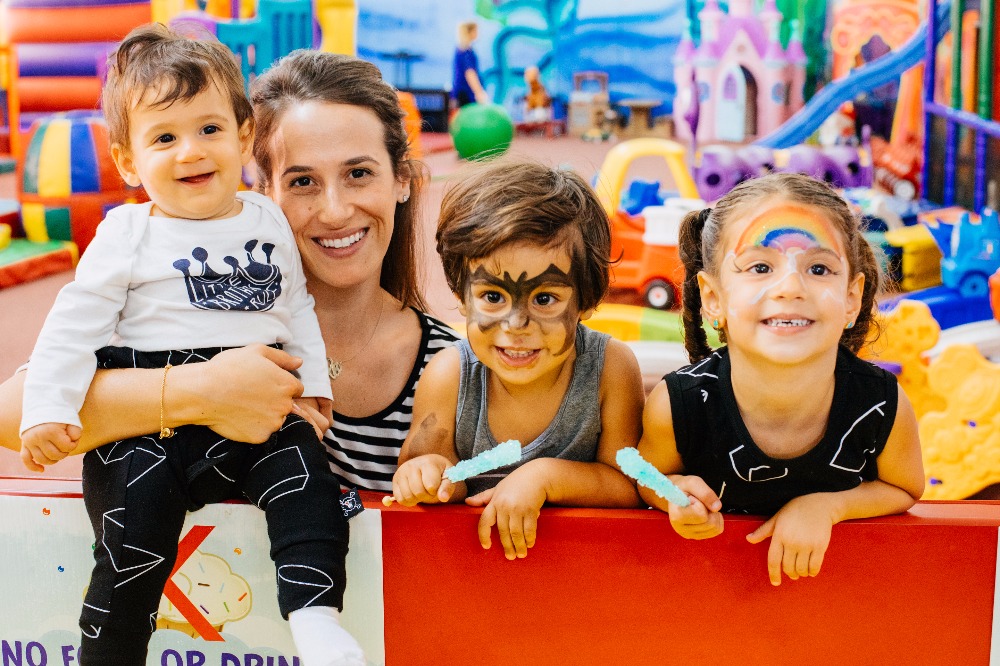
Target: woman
[{"x": 331, "y": 151}]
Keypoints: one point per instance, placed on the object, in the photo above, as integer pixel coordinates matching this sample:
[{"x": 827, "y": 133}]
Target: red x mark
[{"x": 185, "y": 548}]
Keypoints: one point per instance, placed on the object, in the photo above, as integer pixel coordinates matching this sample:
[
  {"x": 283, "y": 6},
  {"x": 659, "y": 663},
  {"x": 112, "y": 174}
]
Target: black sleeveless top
[{"x": 714, "y": 443}]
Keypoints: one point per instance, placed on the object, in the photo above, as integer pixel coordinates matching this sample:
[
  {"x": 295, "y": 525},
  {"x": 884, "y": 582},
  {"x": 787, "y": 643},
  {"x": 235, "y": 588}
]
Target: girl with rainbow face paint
[{"x": 785, "y": 421}]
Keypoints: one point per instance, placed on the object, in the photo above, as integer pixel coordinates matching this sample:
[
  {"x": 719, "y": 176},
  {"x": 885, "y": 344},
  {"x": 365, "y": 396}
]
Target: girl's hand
[
  {"x": 421, "y": 480},
  {"x": 513, "y": 505},
  {"x": 243, "y": 394},
  {"x": 800, "y": 534},
  {"x": 700, "y": 519}
]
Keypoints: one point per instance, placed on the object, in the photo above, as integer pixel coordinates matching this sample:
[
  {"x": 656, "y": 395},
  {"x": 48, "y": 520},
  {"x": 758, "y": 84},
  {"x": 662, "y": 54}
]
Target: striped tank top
[{"x": 363, "y": 452}]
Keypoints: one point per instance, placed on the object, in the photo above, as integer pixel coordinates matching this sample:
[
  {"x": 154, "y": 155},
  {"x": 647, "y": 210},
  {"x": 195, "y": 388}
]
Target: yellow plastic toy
[
  {"x": 611, "y": 177},
  {"x": 921, "y": 261},
  {"x": 908, "y": 331},
  {"x": 961, "y": 443}
]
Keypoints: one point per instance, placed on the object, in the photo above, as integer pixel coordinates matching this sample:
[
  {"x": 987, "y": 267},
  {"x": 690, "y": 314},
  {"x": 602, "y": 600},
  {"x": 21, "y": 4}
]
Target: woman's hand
[
  {"x": 800, "y": 535},
  {"x": 243, "y": 394},
  {"x": 317, "y": 411},
  {"x": 513, "y": 505},
  {"x": 700, "y": 519}
]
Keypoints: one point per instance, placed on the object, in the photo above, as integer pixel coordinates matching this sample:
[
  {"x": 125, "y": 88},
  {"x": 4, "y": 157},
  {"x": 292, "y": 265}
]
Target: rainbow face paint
[{"x": 787, "y": 228}]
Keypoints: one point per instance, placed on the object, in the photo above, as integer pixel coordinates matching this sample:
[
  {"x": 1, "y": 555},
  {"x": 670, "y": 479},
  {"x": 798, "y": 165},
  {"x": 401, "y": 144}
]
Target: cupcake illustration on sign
[{"x": 213, "y": 588}]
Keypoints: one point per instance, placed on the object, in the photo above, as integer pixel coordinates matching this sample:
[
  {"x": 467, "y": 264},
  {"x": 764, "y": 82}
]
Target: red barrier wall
[{"x": 619, "y": 587}]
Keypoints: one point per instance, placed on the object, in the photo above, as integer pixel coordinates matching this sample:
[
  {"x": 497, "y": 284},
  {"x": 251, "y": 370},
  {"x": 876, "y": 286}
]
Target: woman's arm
[
  {"x": 800, "y": 531},
  {"x": 243, "y": 394}
]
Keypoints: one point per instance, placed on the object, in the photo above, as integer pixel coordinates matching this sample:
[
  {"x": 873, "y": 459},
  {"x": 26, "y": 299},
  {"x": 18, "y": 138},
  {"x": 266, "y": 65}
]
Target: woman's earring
[
  {"x": 849, "y": 326},
  {"x": 406, "y": 197},
  {"x": 715, "y": 324}
]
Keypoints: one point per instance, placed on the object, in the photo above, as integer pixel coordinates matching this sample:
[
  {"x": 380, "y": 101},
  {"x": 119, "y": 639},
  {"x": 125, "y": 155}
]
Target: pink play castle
[{"x": 747, "y": 83}]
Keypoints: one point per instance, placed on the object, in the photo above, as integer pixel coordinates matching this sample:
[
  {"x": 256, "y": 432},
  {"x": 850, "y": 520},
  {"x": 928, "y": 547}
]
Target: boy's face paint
[
  {"x": 525, "y": 327},
  {"x": 785, "y": 279}
]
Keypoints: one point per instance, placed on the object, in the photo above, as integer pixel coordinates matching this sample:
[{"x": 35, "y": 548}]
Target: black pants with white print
[{"x": 138, "y": 490}]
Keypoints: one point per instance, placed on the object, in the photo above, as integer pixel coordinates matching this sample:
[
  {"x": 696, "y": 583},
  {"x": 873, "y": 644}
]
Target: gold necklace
[{"x": 334, "y": 368}]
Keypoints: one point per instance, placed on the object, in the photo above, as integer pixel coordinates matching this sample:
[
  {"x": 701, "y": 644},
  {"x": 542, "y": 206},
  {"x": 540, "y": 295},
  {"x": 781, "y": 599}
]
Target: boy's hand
[
  {"x": 800, "y": 534},
  {"x": 513, "y": 505},
  {"x": 317, "y": 411},
  {"x": 700, "y": 519},
  {"x": 47, "y": 444},
  {"x": 421, "y": 479}
]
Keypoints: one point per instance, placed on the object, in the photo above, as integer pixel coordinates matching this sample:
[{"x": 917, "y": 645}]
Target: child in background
[
  {"x": 181, "y": 126},
  {"x": 526, "y": 249},
  {"x": 537, "y": 102},
  {"x": 785, "y": 421},
  {"x": 466, "y": 85}
]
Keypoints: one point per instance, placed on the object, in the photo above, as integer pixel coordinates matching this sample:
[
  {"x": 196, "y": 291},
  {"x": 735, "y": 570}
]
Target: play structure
[
  {"x": 745, "y": 83},
  {"x": 882, "y": 71}
]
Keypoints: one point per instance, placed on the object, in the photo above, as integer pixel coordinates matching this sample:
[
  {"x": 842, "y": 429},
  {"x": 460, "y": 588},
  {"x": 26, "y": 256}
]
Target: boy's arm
[
  {"x": 600, "y": 483},
  {"x": 800, "y": 531},
  {"x": 306, "y": 337},
  {"x": 81, "y": 321},
  {"x": 429, "y": 448}
]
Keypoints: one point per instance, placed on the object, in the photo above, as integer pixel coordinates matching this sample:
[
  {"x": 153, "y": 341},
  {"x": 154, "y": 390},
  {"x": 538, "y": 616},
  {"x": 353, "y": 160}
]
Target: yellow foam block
[
  {"x": 961, "y": 443},
  {"x": 4, "y": 236},
  {"x": 33, "y": 219},
  {"x": 907, "y": 332}
]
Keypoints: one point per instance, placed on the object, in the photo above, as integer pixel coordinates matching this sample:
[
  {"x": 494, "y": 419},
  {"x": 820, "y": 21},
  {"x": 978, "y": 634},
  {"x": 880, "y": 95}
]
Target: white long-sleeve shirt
[{"x": 156, "y": 284}]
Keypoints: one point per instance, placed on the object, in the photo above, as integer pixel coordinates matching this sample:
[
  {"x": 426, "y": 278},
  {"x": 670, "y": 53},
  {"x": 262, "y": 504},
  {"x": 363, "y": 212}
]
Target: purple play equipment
[{"x": 722, "y": 168}]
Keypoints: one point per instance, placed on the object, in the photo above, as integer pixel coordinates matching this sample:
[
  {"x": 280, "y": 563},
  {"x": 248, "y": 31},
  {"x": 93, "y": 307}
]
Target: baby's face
[
  {"x": 521, "y": 311},
  {"x": 189, "y": 156}
]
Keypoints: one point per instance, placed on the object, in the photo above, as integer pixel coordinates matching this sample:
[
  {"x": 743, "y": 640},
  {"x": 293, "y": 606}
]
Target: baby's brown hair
[{"x": 153, "y": 56}]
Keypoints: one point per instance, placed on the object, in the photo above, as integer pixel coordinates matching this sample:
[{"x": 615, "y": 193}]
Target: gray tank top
[{"x": 573, "y": 433}]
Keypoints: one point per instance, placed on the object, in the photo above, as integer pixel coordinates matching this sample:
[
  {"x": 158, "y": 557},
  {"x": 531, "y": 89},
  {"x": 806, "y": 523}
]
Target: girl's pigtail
[
  {"x": 862, "y": 332},
  {"x": 689, "y": 247}
]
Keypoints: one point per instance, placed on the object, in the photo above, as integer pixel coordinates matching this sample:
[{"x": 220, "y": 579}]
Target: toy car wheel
[
  {"x": 659, "y": 294},
  {"x": 974, "y": 285}
]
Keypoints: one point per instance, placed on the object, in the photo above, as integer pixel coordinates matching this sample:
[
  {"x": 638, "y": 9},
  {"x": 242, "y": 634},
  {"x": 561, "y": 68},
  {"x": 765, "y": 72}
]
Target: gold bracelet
[{"x": 165, "y": 432}]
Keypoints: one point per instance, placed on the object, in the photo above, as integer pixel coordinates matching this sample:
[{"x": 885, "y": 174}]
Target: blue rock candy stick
[
  {"x": 635, "y": 466},
  {"x": 487, "y": 461}
]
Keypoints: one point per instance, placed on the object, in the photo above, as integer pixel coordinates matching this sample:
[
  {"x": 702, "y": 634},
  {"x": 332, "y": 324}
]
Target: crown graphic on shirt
[{"x": 251, "y": 288}]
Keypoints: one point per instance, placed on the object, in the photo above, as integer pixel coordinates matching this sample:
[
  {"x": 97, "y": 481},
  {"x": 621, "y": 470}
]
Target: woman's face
[{"x": 333, "y": 178}]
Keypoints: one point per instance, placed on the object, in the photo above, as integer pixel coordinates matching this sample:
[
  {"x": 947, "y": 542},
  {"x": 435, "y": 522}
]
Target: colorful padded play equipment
[
  {"x": 481, "y": 131},
  {"x": 961, "y": 442},
  {"x": 58, "y": 50},
  {"x": 69, "y": 182}
]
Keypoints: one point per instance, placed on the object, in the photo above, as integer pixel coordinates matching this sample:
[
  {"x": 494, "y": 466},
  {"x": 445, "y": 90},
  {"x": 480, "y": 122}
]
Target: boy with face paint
[
  {"x": 527, "y": 250},
  {"x": 785, "y": 420}
]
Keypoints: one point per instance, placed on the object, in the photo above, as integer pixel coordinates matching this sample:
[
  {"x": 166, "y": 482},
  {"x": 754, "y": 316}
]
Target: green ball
[{"x": 481, "y": 131}]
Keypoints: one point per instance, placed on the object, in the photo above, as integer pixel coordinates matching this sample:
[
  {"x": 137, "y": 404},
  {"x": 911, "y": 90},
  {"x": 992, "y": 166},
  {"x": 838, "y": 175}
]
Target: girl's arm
[
  {"x": 429, "y": 448},
  {"x": 701, "y": 519},
  {"x": 243, "y": 394},
  {"x": 800, "y": 531}
]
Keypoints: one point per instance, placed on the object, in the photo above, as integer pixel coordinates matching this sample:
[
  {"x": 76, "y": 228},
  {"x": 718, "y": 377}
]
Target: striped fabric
[{"x": 363, "y": 451}]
